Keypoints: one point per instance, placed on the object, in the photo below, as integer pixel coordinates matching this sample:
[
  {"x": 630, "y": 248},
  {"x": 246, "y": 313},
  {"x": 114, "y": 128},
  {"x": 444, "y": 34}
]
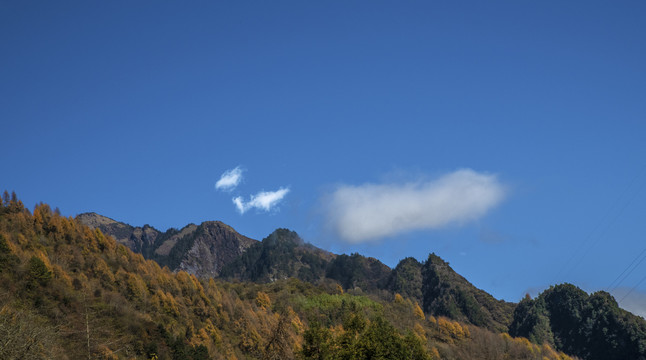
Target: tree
[
  {"x": 316, "y": 342},
  {"x": 5, "y": 198},
  {"x": 279, "y": 346},
  {"x": 7, "y": 259},
  {"x": 418, "y": 311},
  {"x": 262, "y": 300},
  {"x": 39, "y": 273}
]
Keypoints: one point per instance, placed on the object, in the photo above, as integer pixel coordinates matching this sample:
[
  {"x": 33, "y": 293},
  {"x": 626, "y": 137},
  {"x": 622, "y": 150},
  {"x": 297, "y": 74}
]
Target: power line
[
  {"x": 633, "y": 289},
  {"x": 586, "y": 241},
  {"x": 574, "y": 254},
  {"x": 610, "y": 287},
  {"x": 607, "y": 227}
]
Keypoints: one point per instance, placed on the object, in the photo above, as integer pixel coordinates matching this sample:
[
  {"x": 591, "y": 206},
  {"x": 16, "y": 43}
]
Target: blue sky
[{"x": 135, "y": 111}]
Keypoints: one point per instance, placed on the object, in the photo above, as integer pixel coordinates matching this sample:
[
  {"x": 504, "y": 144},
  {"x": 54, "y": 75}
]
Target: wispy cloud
[
  {"x": 373, "y": 211},
  {"x": 229, "y": 179},
  {"x": 239, "y": 203},
  {"x": 264, "y": 200}
]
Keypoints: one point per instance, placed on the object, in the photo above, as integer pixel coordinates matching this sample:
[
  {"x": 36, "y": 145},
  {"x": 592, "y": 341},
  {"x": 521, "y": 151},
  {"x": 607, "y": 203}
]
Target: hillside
[
  {"x": 592, "y": 326},
  {"x": 202, "y": 249},
  {"x": 446, "y": 293},
  {"x": 214, "y": 249},
  {"x": 281, "y": 255},
  {"x": 71, "y": 292}
]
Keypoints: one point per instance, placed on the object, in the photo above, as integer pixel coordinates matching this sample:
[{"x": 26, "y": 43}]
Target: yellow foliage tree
[
  {"x": 262, "y": 300},
  {"x": 418, "y": 311},
  {"x": 297, "y": 324},
  {"x": 419, "y": 331},
  {"x": 102, "y": 271},
  {"x": 435, "y": 354},
  {"x": 399, "y": 299},
  {"x": 339, "y": 289}
]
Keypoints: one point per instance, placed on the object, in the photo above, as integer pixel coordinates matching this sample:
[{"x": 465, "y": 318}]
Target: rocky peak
[
  {"x": 198, "y": 249},
  {"x": 94, "y": 220},
  {"x": 213, "y": 245}
]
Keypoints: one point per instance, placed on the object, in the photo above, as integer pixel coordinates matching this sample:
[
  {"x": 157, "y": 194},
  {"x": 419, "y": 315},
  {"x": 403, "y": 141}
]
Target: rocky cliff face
[
  {"x": 136, "y": 238},
  {"x": 214, "y": 245},
  {"x": 202, "y": 249}
]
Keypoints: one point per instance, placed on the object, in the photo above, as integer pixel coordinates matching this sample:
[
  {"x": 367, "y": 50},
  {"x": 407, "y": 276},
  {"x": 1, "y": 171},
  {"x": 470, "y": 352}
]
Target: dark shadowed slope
[{"x": 446, "y": 293}]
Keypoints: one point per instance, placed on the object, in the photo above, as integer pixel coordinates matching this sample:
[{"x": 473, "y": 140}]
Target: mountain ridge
[
  {"x": 431, "y": 285},
  {"x": 284, "y": 254},
  {"x": 202, "y": 249}
]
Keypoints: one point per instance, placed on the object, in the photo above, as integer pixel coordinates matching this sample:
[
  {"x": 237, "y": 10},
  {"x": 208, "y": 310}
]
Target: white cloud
[
  {"x": 239, "y": 204},
  {"x": 229, "y": 179},
  {"x": 372, "y": 211},
  {"x": 264, "y": 200}
]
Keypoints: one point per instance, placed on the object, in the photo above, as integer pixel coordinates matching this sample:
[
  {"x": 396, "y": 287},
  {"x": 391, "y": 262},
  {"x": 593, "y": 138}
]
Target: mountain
[
  {"x": 356, "y": 271},
  {"x": 592, "y": 327},
  {"x": 70, "y": 292},
  {"x": 138, "y": 239},
  {"x": 281, "y": 255},
  {"x": 433, "y": 284},
  {"x": 446, "y": 293},
  {"x": 202, "y": 249},
  {"x": 564, "y": 317},
  {"x": 214, "y": 249},
  {"x": 406, "y": 279},
  {"x": 443, "y": 292}
]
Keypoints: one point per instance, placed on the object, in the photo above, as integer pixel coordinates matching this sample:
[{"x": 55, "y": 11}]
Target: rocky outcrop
[
  {"x": 202, "y": 249},
  {"x": 139, "y": 239},
  {"x": 214, "y": 245}
]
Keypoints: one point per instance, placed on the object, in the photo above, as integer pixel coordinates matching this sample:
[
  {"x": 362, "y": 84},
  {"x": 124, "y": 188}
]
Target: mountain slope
[
  {"x": 446, "y": 293},
  {"x": 440, "y": 290},
  {"x": 281, "y": 255},
  {"x": 406, "y": 279},
  {"x": 356, "y": 271},
  {"x": 138, "y": 239},
  {"x": 202, "y": 249}
]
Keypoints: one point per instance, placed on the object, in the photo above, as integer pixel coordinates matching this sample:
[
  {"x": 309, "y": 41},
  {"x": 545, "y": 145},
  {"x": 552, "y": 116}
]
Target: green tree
[
  {"x": 316, "y": 342},
  {"x": 7, "y": 259},
  {"x": 39, "y": 272},
  {"x": 530, "y": 321},
  {"x": 406, "y": 279}
]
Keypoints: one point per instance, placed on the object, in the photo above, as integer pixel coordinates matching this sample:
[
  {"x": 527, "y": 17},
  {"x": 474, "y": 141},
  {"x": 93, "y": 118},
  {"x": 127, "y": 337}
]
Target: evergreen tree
[{"x": 39, "y": 273}]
